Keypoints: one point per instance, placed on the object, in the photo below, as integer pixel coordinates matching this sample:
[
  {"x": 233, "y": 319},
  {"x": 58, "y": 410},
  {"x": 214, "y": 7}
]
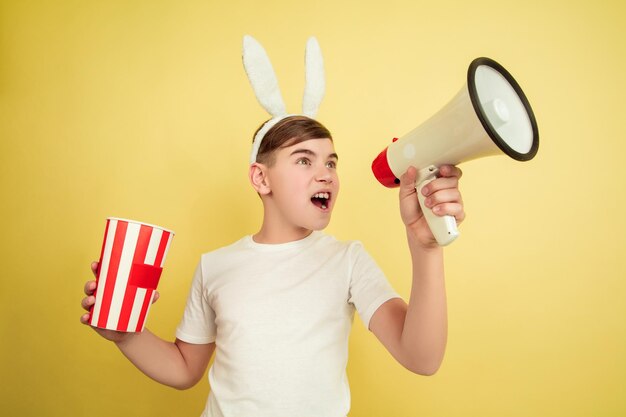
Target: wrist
[
  {"x": 123, "y": 339},
  {"x": 421, "y": 242}
]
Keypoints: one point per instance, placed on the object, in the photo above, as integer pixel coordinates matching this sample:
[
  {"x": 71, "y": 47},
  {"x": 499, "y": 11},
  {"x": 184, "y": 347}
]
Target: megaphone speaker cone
[{"x": 503, "y": 109}]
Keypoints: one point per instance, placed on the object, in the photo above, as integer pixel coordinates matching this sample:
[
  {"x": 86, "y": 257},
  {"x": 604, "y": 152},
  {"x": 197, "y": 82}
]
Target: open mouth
[{"x": 321, "y": 200}]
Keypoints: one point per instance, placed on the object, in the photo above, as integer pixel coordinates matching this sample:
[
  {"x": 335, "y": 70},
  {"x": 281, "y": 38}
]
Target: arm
[
  {"x": 416, "y": 334},
  {"x": 177, "y": 364}
]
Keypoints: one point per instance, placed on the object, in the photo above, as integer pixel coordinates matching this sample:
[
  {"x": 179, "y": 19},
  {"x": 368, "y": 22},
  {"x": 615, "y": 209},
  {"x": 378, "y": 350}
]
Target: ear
[{"x": 257, "y": 175}]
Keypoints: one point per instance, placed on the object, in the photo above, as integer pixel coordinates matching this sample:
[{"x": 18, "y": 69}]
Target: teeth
[{"x": 322, "y": 195}]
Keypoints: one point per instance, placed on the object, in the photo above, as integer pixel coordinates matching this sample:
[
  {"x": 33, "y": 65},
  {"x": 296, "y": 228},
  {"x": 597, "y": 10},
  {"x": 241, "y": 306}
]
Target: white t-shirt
[{"x": 280, "y": 316}]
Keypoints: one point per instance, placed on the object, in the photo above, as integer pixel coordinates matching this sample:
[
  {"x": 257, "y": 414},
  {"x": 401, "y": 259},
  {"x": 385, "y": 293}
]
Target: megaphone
[{"x": 490, "y": 115}]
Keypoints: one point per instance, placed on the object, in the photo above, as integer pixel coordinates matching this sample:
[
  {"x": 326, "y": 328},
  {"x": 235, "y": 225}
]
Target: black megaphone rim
[{"x": 484, "y": 120}]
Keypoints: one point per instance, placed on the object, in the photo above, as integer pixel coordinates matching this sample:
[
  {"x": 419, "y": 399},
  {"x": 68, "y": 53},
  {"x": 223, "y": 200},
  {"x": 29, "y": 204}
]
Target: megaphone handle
[{"x": 443, "y": 227}]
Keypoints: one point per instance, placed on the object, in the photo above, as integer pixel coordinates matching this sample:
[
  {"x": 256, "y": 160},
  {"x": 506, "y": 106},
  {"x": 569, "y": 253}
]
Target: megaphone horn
[{"x": 490, "y": 115}]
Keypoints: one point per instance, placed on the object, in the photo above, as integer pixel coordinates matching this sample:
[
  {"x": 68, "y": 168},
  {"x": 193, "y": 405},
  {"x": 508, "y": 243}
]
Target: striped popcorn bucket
[{"x": 132, "y": 258}]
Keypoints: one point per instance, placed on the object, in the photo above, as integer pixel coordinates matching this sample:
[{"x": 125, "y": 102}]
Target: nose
[{"x": 324, "y": 174}]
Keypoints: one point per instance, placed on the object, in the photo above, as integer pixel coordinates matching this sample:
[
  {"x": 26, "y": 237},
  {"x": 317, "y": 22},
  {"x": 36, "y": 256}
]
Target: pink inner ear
[{"x": 144, "y": 276}]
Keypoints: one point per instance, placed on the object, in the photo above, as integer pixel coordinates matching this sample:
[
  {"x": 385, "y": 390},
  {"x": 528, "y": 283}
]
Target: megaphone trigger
[{"x": 443, "y": 228}]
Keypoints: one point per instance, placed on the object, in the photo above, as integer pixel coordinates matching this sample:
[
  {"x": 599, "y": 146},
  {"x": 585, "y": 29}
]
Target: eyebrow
[{"x": 311, "y": 153}]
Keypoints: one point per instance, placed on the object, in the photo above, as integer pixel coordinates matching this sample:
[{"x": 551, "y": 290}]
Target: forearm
[
  {"x": 425, "y": 329},
  {"x": 159, "y": 359}
]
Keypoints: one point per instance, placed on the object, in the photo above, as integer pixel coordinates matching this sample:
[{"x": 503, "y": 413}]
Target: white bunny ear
[
  {"x": 315, "y": 84},
  {"x": 262, "y": 77}
]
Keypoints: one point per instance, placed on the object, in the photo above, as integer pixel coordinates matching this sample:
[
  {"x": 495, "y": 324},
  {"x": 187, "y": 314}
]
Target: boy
[
  {"x": 277, "y": 307},
  {"x": 284, "y": 365}
]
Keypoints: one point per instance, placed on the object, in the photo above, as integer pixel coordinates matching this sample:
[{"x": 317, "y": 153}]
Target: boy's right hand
[{"x": 90, "y": 300}]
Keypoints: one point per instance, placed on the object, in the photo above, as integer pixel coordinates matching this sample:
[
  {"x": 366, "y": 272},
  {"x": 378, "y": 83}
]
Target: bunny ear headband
[{"x": 265, "y": 85}]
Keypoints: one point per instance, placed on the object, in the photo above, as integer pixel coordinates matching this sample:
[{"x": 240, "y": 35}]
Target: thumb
[{"x": 407, "y": 182}]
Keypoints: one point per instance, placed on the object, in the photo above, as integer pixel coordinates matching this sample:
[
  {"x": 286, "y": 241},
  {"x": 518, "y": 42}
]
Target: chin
[
  {"x": 313, "y": 221},
  {"x": 319, "y": 229},
  {"x": 320, "y": 226},
  {"x": 317, "y": 224}
]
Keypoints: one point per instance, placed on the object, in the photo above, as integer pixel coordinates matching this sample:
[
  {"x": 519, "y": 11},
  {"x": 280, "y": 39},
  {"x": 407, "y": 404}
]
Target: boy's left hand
[{"x": 443, "y": 197}]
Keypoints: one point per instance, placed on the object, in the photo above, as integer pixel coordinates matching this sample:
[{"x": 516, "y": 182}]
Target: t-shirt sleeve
[
  {"x": 369, "y": 287},
  {"x": 198, "y": 323}
]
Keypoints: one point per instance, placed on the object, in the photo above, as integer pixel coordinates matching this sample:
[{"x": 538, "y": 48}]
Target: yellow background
[{"x": 141, "y": 109}]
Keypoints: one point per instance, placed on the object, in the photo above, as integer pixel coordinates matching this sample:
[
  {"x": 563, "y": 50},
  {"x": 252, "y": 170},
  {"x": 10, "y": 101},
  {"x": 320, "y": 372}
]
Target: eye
[
  {"x": 303, "y": 161},
  {"x": 331, "y": 164}
]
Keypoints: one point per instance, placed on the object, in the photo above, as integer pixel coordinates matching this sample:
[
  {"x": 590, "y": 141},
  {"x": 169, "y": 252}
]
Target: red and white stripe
[{"x": 132, "y": 257}]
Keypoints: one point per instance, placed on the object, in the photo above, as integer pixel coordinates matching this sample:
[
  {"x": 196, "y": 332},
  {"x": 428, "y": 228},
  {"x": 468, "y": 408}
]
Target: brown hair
[{"x": 289, "y": 131}]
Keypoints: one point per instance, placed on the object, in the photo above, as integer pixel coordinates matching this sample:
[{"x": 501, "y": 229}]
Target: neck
[
  {"x": 275, "y": 234},
  {"x": 277, "y": 237}
]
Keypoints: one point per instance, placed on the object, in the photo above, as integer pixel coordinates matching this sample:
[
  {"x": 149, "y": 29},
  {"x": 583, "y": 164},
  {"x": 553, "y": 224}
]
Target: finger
[
  {"x": 155, "y": 297},
  {"x": 94, "y": 268},
  {"x": 85, "y": 318},
  {"x": 450, "y": 171},
  {"x": 88, "y": 302},
  {"x": 90, "y": 287},
  {"x": 440, "y": 184},
  {"x": 450, "y": 209},
  {"x": 449, "y": 195}
]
